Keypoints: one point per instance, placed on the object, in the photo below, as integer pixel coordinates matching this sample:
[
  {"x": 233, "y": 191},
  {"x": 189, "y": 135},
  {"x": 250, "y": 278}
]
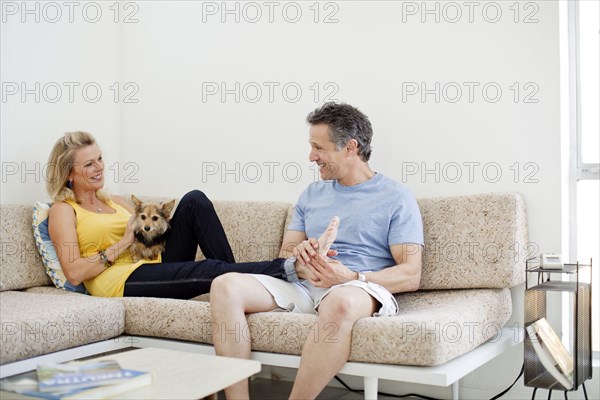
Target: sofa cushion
[
  {"x": 254, "y": 229},
  {"x": 433, "y": 327},
  {"x": 168, "y": 318},
  {"x": 20, "y": 263},
  {"x": 39, "y": 323},
  {"x": 476, "y": 241},
  {"x": 47, "y": 251},
  {"x": 50, "y": 290}
]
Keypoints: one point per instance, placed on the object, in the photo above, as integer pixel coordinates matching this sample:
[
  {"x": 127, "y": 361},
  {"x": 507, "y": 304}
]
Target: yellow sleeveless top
[{"x": 97, "y": 231}]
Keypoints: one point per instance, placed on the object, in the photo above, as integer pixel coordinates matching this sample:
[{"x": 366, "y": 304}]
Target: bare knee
[
  {"x": 235, "y": 292},
  {"x": 337, "y": 307},
  {"x": 225, "y": 289},
  {"x": 344, "y": 308}
]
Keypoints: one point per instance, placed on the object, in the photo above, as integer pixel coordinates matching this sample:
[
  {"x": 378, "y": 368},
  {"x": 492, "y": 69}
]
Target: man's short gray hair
[{"x": 345, "y": 123}]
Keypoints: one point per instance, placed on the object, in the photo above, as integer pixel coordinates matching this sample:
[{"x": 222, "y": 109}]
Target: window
[{"x": 581, "y": 144}]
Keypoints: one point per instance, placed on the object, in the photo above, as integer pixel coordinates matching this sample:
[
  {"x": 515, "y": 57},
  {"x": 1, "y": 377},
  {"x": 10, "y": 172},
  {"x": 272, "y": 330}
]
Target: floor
[{"x": 266, "y": 389}]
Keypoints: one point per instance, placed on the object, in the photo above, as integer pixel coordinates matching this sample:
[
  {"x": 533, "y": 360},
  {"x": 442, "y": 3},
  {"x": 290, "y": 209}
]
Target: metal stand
[
  {"x": 579, "y": 292},
  {"x": 565, "y": 392}
]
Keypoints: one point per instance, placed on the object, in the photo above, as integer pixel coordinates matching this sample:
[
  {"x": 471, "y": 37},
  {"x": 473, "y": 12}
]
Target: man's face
[{"x": 324, "y": 153}]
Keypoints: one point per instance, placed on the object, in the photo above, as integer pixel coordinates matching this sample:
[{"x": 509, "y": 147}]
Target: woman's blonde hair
[{"x": 61, "y": 162}]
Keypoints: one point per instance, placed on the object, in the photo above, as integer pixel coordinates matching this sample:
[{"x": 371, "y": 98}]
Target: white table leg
[
  {"x": 455, "y": 390},
  {"x": 370, "y": 384}
]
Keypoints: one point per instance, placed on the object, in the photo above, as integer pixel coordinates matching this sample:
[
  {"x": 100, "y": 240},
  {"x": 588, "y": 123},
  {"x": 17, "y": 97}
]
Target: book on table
[
  {"x": 87, "y": 380},
  {"x": 551, "y": 352}
]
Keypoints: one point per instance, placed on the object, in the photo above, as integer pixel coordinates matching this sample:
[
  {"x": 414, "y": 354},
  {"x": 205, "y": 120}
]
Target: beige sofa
[{"x": 453, "y": 324}]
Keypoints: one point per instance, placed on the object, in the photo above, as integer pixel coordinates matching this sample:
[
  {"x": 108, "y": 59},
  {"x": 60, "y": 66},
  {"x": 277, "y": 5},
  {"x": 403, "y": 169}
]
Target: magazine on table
[{"x": 81, "y": 380}]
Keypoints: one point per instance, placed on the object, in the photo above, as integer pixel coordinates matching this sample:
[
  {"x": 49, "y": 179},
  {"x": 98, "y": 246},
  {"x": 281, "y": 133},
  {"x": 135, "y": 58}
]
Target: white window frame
[{"x": 577, "y": 170}]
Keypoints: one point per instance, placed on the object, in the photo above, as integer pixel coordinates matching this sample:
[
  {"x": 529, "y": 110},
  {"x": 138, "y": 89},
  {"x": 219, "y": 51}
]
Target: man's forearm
[{"x": 399, "y": 278}]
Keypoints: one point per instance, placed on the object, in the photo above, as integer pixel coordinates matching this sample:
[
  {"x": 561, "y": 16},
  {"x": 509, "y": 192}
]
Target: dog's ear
[
  {"x": 166, "y": 208},
  {"x": 136, "y": 202}
]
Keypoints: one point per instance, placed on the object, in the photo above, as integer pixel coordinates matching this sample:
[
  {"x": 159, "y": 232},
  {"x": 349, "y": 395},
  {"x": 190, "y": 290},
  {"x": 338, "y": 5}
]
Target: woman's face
[{"x": 87, "y": 172}]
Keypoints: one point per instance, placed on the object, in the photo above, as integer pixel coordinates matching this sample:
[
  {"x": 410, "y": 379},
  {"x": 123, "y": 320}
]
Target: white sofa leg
[
  {"x": 370, "y": 384},
  {"x": 455, "y": 390}
]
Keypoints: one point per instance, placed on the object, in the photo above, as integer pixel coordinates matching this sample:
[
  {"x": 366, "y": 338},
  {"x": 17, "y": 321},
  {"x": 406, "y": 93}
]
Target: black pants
[{"x": 195, "y": 223}]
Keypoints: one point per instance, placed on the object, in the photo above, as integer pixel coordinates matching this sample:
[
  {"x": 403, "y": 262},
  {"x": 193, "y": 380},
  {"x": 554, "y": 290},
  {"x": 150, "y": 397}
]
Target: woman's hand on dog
[{"x": 129, "y": 234}]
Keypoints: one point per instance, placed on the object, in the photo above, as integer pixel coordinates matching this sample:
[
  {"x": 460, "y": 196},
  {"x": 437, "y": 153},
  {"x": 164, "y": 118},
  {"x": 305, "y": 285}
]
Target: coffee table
[
  {"x": 184, "y": 375},
  {"x": 181, "y": 375}
]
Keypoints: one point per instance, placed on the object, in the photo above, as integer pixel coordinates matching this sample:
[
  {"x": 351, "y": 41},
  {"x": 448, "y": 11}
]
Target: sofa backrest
[
  {"x": 476, "y": 241},
  {"x": 254, "y": 229},
  {"x": 20, "y": 263}
]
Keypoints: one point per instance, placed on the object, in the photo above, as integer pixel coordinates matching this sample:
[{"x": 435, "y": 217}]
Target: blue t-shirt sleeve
[
  {"x": 406, "y": 225},
  {"x": 298, "y": 223}
]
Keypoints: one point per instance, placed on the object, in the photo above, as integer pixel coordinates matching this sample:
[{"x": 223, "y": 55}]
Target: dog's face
[{"x": 151, "y": 219}]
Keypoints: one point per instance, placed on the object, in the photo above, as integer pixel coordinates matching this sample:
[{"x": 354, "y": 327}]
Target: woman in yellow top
[{"x": 92, "y": 232}]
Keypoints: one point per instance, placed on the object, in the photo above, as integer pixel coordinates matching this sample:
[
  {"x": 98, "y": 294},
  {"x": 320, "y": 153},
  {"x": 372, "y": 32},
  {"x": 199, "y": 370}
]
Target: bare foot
[{"x": 328, "y": 237}]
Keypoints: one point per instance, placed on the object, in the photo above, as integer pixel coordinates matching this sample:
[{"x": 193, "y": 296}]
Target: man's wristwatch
[{"x": 361, "y": 277}]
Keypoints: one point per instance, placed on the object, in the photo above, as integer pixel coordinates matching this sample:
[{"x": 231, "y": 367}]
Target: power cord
[
  {"x": 425, "y": 397},
  {"x": 385, "y": 394},
  {"x": 510, "y": 387}
]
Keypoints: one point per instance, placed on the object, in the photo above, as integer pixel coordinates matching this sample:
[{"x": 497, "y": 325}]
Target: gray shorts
[{"x": 303, "y": 297}]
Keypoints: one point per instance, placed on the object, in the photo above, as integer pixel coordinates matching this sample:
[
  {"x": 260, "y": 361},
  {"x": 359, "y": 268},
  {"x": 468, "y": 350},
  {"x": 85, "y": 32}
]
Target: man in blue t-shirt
[{"x": 355, "y": 238}]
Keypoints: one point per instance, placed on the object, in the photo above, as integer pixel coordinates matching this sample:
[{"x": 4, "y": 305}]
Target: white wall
[
  {"x": 51, "y": 72},
  {"x": 187, "y": 137},
  {"x": 168, "y": 133}
]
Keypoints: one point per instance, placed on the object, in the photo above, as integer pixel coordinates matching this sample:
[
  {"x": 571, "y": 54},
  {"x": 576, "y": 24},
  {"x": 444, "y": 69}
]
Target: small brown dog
[{"x": 151, "y": 228}]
